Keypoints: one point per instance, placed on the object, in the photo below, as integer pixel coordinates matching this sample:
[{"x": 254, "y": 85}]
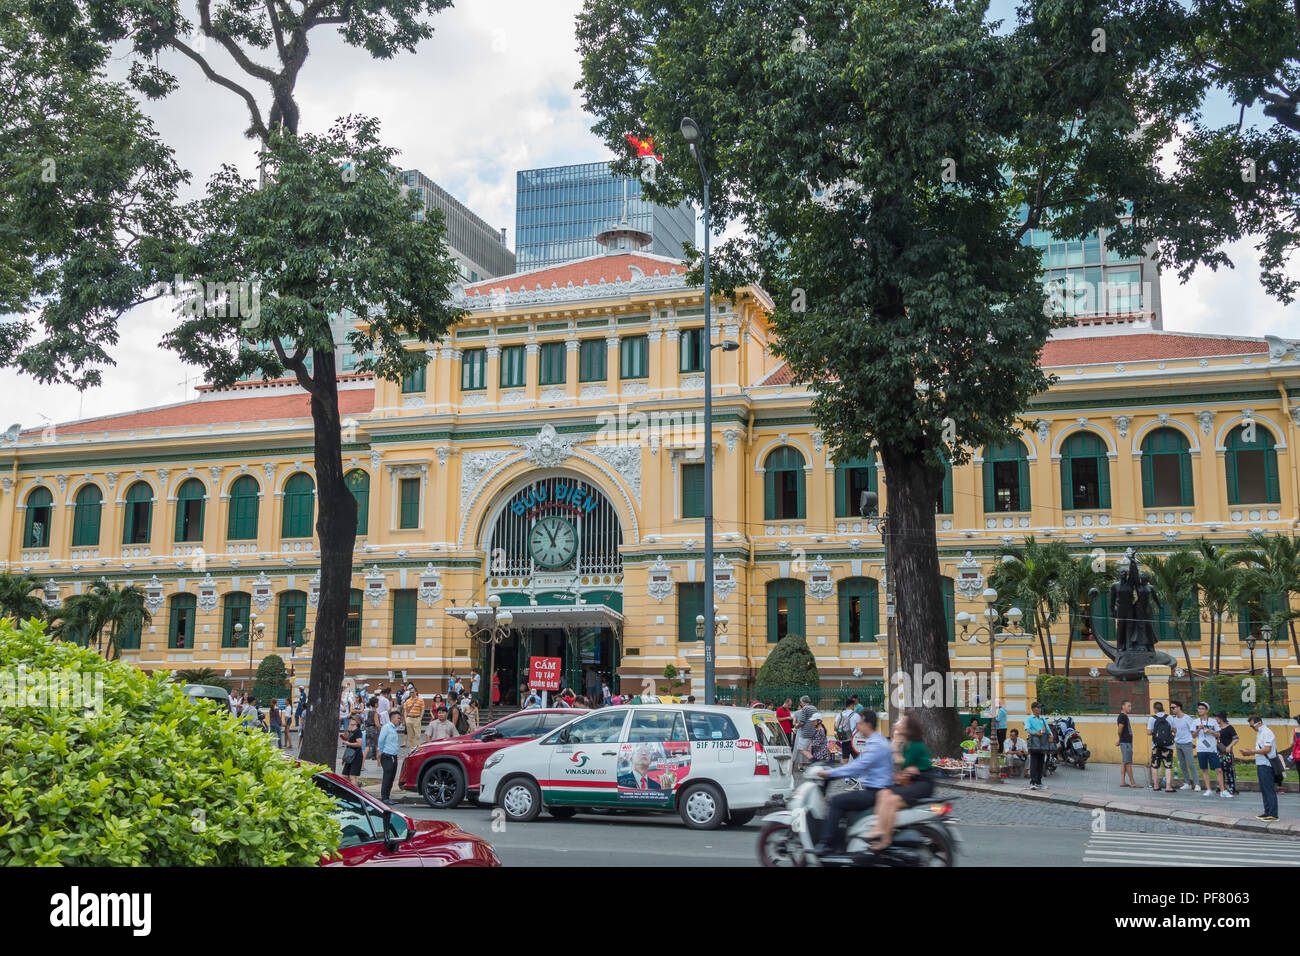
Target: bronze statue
[{"x": 1131, "y": 602}]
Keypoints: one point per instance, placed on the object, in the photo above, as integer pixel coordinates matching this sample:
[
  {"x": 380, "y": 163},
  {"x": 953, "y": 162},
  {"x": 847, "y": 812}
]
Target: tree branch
[
  {"x": 255, "y": 70},
  {"x": 258, "y": 127}
]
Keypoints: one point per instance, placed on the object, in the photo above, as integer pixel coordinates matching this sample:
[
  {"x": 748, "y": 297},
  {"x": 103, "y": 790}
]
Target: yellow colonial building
[{"x": 550, "y": 453}]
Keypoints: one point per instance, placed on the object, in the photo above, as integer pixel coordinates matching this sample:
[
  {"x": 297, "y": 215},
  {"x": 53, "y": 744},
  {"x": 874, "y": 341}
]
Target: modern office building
[
  {"x": 560, "y": 210},
  {"x": 478, "y": 248}
]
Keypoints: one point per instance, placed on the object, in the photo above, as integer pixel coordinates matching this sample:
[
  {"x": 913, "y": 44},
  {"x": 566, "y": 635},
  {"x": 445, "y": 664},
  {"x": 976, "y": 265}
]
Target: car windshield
[
  {"x": 704, "y": 725},
  {"x": 356, "y": 823},
  {"x": 600, "y": 728},
  {"x": 769, "y": 731}
]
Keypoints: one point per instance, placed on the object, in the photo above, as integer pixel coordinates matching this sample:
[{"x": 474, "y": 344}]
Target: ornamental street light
[
  {"x": 993, "y": 633},
  {"x": 495, "y": 626},
  {"x": 1266, "y": 632},
  {"x": 867, "y": 508}
]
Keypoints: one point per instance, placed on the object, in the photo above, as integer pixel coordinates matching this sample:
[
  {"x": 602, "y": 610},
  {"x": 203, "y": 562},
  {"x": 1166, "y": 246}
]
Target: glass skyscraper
[{"x": 560, "y": 210}]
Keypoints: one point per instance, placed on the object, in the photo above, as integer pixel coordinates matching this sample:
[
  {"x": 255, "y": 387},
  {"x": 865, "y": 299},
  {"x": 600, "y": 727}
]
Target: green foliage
[
  {"x": 789, "y": 664},
  {"x": 1240, "y": 695},
  {"x": 18, "y": 597},
  {"x": 271, "y": 682},
  {"x": 84, "y": 617},
  {"x": 146, "y": 778},
  {"x": 1056, "y": 693},
  {"x": 201, "y": 675}
]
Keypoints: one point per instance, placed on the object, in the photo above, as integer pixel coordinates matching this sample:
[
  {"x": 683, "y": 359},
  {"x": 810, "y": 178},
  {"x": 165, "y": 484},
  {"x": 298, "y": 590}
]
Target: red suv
[{"x": 444, "y": 771}]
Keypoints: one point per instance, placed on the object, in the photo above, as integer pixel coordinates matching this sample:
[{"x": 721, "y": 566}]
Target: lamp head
[
  {"x": 1014, "y": 615},
  {"x": 690, "y": 131},
  {"x": 727, "y": 345},
  {"x": 1266, "y": 632},
  {"x": 494, "y": 601},
  {"x": 471, "y": 618},
  {"x": 506, "y": 617},
  {"x": 989, "y": 595}
]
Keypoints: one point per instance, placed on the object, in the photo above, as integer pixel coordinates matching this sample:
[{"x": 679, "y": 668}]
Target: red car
[
  {"x": 444, "y": 771},
  {"x": 377, "y": 835}
]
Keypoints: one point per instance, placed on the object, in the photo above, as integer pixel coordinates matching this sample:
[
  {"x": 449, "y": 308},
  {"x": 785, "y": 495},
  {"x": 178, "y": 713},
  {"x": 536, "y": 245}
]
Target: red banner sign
[{"x": 544, "y": 673}]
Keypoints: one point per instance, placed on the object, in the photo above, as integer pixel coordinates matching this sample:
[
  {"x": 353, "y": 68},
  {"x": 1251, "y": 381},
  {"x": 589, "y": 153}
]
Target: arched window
[
  {"x": 40, "y": 508},
  {"x": 352, "y": 629},
  {"x": 241, "y": 524},
  {"x": 292, "y": 618},
  {"x": 859, "y": 610},
  {"x": 85, "y": 517},
  {"x": 139, "y": 513},
  {"x": 180, "y": 632},
  {"x": 852, "y": 478},
  {"x": 1085, "y": 473},
  {"x": 299, "y": 506},
  {"x": 784, "y": 609},
  {"x": 235, "y": 611},
  {"x": 1166, "y": 470},
  {"x": 783, "y": 484},
  {"x": 1006, "y": 477},
  {"x": 1252, "y": 466},
  {"x": 358, "y": 483},
  {"x": 189, "y": 510}
]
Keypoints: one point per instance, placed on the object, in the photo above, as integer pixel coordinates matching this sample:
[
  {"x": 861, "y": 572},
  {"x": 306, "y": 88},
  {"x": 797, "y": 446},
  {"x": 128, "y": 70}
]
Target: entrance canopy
[{"x": 551, "y": 615}]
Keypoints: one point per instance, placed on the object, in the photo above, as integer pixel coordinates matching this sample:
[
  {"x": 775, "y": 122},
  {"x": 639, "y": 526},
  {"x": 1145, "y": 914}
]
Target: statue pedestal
[
  {"x": 1136, "y": 664},
  {"x": 1157, "y": 676}
]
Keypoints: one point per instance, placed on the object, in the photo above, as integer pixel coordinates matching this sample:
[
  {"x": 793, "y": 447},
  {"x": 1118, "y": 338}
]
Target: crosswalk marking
[{"x": 1169, "y": 849}]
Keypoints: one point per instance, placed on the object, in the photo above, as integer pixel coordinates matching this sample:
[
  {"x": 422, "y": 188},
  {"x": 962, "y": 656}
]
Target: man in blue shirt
[
  {"x": 388, "y": 746},
  {"x": 873, "y": 768}
]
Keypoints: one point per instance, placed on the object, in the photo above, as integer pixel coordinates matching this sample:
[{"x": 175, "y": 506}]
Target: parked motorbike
[
  {"x": 924, "y": 835},
  {"x": 1070, "y": 747}
]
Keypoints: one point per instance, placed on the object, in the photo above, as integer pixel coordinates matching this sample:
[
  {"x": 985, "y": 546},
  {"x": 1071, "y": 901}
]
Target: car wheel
[
  {"x": 443, "y": 786},
  {"x": 738, "y": 818},
  {"x": 703, "y": 807},
  {"x": 561, "y": 813},
  {"x": 521, "y": 799}
]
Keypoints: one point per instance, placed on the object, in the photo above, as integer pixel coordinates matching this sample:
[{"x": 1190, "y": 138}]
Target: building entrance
[{"x": 588, "y": 657}]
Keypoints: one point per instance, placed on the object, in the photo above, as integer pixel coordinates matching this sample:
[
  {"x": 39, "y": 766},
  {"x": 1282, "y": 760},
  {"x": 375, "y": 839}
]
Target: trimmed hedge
[
  {"x": 271, "y": 682},
  {"x": 1056, "y": 693},
  {"x": 145, "y": 777},
  {"x": 790, "y": 664}
]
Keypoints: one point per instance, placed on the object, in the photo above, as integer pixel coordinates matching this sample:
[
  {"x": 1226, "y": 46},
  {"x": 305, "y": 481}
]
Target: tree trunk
[
  {"x": 1042, "y": 645},
  {"x": 922, "y": 628},
  {"x": 336, "y": 527},
  {"x": 1294, "y": 644},
  {"x": 1069, "y": 644}
]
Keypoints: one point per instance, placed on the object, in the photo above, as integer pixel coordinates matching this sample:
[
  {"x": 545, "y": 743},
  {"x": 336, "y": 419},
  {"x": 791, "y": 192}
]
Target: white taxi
[{"x": 713, "y": 765}]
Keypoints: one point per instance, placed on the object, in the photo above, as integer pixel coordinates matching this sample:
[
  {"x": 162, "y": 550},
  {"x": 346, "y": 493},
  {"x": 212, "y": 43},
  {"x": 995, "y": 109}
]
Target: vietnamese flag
[{"x": 644, "y": 147}]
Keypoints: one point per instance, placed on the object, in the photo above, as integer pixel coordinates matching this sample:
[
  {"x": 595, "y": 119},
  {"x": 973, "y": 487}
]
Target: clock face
[{"x": 553, "y": 541}]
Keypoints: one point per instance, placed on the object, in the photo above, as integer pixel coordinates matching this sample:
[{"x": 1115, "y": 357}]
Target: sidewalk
[{"x": 1098, "y": 786}]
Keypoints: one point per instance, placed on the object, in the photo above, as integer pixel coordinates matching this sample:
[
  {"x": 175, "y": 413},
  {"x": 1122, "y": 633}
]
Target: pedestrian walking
[
  {"x": 1161, "y": 732},
  {"x": 1227, "y": 737},
  {"x": 1125, "y": 728},
  {"x": 474, "y": 681},
  {"x": 300, "y": 709},
  {"x": 352, "y": 752},
  {"x": 786, "y": 719},
  {"x": 1040, "y": 743},
  {"x": 440, "y": 728},
  {"x": 1264, "y": 753},
  {"x": 451, "y": 684},
  {"x": 414, "y": 718},
  {"x": 385, "y": 704},
  {"x": 604, "y": 693},
  {"x": 1295, "y": 748},
  {"x": 532, "y": 700},
  {"x": 277, "y": 724},
  {"x": 1207, "y": 749},
  {"x": 1184, "y": 728},
  {"x": 388, "y": 747},
  {"x": 471, "y": 713},
  {"x": 1000, "y": 723},
  {"x": 371, "y": 724},
  {"x": 845, "y": 724},
  {"x": 819, "y": 750},
  {"x": 345, "y": 711},
  {"x": 803, "y": 731}
]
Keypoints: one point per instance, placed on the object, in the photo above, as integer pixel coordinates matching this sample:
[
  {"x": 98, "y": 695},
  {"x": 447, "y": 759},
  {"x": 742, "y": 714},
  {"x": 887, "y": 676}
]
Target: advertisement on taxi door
[{"x": 650, "y": 772}]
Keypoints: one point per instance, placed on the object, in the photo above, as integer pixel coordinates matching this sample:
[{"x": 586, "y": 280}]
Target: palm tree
[
  {"x": 1027, "y": 576},
  {"x": 17, "y": 599},
  {"x": 1219, "y": 580},
  {"x": 118, "y": 609},
  {"x": 1273, "y": 568},
  {"x": 1174, "y": 581},
  {"x": 1075, "y": 580},
  {"x": 201, "y": 675}
]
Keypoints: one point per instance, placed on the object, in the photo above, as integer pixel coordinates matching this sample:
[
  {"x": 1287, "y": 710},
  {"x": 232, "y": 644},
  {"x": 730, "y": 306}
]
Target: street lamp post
[
  {"x": 994, "y": 632},
  {"x": 493, "y": 632},
  {"x": 720, "y": 627},
  {"x": 1266, "y": 632},
  {"x": 867, "y": 507}
]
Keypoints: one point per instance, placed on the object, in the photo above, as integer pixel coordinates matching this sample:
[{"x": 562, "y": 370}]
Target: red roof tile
[
  {"x": 611, "y": 268},
  {"x": 222, "y": 411}
]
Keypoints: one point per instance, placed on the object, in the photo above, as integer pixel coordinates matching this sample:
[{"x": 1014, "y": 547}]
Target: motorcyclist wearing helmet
[{"x": 872, "y": 768}]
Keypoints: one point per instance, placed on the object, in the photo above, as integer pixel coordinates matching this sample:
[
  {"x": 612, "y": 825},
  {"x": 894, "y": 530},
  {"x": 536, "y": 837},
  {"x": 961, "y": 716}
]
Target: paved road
[{"x": 997, "y": 831}]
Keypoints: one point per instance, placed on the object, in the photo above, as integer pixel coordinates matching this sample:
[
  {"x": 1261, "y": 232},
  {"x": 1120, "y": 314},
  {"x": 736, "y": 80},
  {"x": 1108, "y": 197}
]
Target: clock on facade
[{"x": 553, "y": 541}]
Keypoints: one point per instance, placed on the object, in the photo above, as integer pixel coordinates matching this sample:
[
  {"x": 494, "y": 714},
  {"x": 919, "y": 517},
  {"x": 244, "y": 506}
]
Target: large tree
[
  {"x": 327, "y": 232},
  {"x": 886, "y": 159}
]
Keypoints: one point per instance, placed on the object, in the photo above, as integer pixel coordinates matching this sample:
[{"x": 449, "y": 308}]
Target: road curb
[{"x": 1132, "y": 809}]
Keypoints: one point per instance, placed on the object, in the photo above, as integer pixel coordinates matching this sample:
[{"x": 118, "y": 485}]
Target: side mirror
[
  {"x": 490, "y": 734},
  {"x": 390, "y": 843}
]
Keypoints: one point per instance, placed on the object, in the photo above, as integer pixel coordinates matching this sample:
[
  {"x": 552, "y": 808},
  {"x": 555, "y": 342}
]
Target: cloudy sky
[{"x": 491, "y": 93}]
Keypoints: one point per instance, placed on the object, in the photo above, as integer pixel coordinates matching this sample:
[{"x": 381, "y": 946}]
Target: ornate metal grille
[{"x": 590, "y": 512}]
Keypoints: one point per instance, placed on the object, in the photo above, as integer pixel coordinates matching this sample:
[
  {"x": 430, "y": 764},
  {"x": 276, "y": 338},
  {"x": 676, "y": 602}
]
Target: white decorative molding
[
  {"x": 1206, "y": 420},
  {"x": 1088, "y": 537},
  {"x": 625, "y": 460},
  {"x": 207, "y": 600},
  {"x": 442, "y": 451},
  {"x": 269, "y": 470},
  {"x": 691, "y": 383},
  {"x": 474, "y": 399},
  {"x": 969, "y": 579},
  {"x": 474, "y": 466},
  {"x": 63, "y": 483},
  {"x": 821, "y": 579},
  {"x": 1279, "y": 348},
  {"x": 153, "y": 595},
  {"x": 1122, "y": 422},
  {"x": 430, "y": 585},
  {"x": 514, "y": 396},
  {"x": 594, "y": 390},
  {"x": 313, "y": 590},
  {"x": 376, "y": 586},
  {"x": 1044, "y": 432},
  {"x": 546, "y": 449},
  {"x": 262, "y": 594},
  {"x": 817, "y": 436},
  {"x": 724, "y": 578},
  {"x": 554, "y": 393},
  {"x": 659, "y": 579},
  {"x": 375, "y": 457},
  {"x": 413, "y": 401},
  {"x": 730, "y": 436},
  {"x": 634, "y": 388},
  {"x": 51, "y": 594}
]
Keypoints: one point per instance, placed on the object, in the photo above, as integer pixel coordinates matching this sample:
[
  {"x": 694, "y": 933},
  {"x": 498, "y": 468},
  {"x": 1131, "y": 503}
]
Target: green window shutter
[
  {"x": 551, "y": 364},
  {"x": 409, "y": 489},
  {"x": 690, "y": 604},
  {"x": 945, "y": 495},
  {"x": 772, "y": 598},
  {"x": 1103, "y": 481},
  {"x": 1067, "y": 485},
  {"x": 1271, "y": 490},
  {"x": 798, "y": 625},
  {"x": 1230, "y": 463},
  {"x": 1022, "y": 479},
  {"x": 352, "y": 628},
  {"x": 191, "y": 490},
  {"x": 591, "y": 360},
  {"x": 841, "y": 491},
  {"x": 634, "y": 353},
  {"x": 990, "y": 499},
  {"x": 241, "y": 523},
  {"x": 404, "y": 616},
  {"x": 180, "y": 632},
  {"x": 414, "y": 381},
  {"x": 769, "y": 494},
  {"x": 473, "y": 370},
  {"x": 358, "y": 483},
  {"x": 85, "y": 521},
  {"x": 1148, "y": 480},
  {"x": 1186, "y": 494},
  {"x": 512, "y": 367},
  {"x": 293, "y": 615},
  {"x": 32, "y": 536},
  {"x": 137, "y": 526},
  {"x": 235, "y": 612},
  {"x": 800, "y": 508},
  {"x": 693, "y": 491},
  {"x": 949, "y": 606},
  {"x": 299, "y": 502}
]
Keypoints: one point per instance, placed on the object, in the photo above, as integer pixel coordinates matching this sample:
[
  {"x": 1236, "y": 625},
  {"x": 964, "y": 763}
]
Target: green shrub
[
  {"x": 144, "y": 777},
  {"x": 272, "y": 680},
  {"x": 790, "y": 664},
  {"x": 1056, "y": 693}
]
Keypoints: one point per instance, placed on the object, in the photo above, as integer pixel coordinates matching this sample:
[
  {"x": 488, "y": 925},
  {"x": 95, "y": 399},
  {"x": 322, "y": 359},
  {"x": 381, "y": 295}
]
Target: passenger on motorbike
[
  {"x": 872, "y": 768},
  {"x": 914, "y": 781}
]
